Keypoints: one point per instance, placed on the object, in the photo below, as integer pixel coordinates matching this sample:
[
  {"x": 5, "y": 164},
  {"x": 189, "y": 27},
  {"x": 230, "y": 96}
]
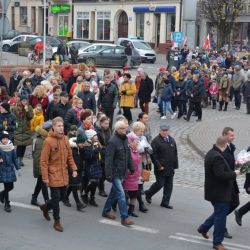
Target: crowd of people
[{"x": 68, "y": 118}]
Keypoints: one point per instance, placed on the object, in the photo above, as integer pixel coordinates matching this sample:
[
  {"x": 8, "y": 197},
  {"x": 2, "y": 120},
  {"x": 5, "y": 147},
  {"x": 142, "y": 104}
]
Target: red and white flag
[
  {"x": 172, "y": 40},
  {"x": 207, "y": 45}
]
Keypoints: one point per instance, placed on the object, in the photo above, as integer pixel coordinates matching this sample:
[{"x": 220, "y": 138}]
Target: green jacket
[{"x": 23, "y": 133}]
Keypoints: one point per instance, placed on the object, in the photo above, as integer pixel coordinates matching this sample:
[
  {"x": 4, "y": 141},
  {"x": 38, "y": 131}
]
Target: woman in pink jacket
[{"x": 130, "y": 183}]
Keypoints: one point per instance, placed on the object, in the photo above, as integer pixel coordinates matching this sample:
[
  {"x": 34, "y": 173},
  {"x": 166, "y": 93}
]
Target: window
[
  {"x": 170, "y": 25},
  {"x": 63, "y": 25},
  {"x": 103, "y": 25},
  {"x": 119, "y": 51},
  {"x": 82, "y": 25},
  {"x": 140, "y": 25},
  {"x": 23, "y": 16},
  {"x": 107, "y": 51}
]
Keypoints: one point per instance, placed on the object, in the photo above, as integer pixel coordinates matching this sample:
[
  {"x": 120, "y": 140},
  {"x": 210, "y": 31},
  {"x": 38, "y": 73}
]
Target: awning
[{"x": 142, "y": 9}]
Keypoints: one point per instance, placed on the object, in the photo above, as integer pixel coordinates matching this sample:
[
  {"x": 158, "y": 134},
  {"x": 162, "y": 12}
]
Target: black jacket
[
  {"x": 71, "y": 119},
  {"x": 219, "y": 177},
  {"x": 118, "y": 157},
  {"x": 88, "y": 99},
  {"x": 8, "y": 120},
  {"x": 180, "y": 87},
  {"x": 108, "y": 96},
  {"x": 165, "y": 155},
  {"x": 246, "y": 89},
  {"x": 14, "y": 82},
  {"x": 36, "y": 80},
  {"x": 61, "y": 110},
  {"x": 103, "y": 135},
  {"x": 145, "y": 90}
]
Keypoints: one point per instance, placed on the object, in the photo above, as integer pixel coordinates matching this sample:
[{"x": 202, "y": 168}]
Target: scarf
[
  {"x": 7, "y": 147},
  {"x": 87, "y": 126}
]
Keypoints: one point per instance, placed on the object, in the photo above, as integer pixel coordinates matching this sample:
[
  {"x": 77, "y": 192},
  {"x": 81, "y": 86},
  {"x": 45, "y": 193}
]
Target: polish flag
[
  {"x": 207, "y": 45},
  {"x": 185, "y": 40},
  {"x": 172, "y": 40}
]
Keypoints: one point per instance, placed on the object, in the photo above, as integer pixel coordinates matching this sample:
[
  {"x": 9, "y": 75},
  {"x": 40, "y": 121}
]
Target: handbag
[{"x": 146, "y": 170}]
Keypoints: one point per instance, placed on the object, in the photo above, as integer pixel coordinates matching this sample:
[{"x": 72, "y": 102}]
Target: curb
[{"x": 199, "y": 151}]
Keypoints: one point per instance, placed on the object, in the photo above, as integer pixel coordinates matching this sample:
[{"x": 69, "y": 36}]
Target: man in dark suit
[
  {"x": 219, "y": 179},
  {"x": 229, "y": 156},
  {"x": 245, "y": 208}
]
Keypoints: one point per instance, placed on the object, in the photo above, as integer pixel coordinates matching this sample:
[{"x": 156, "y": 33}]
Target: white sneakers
[
  {"x": 173, "y": 115},
  {"x": 163, "y": 117}
]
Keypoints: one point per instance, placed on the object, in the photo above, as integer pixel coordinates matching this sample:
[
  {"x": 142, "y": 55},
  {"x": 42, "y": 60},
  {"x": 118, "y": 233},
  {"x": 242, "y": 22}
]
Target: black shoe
[
  {"x": 238, "y": 217},
  {"x": 198, "y": 120},
  {"x": 203, "y": 233},
  {"x": 103, "y": 193},
  {"x": 227, "y": 235},
  {"x": 167, "y": 206},
  {"x": 7, "y": 207},
  {"x": 21, "y": 164},
  {"x": 85, "y": 198},
  {"x": 2, "y": 197},
  {"x": 34, "y": 201},
  {"x": 148, "y": 199},
  {"x": 66, "y": 203},
  {"x": 185, "y": 118},
  {"x": 142, "y": 208},
  {"x": 131, "y": 211},
  {"x": 80, "y": 206},
  {"x": 92, "y": 202}
]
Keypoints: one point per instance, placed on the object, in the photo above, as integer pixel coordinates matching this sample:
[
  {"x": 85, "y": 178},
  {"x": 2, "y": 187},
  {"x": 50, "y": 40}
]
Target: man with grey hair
[
  {"x": 145, "y": 90},
  {"x": 117, "y": 162}
]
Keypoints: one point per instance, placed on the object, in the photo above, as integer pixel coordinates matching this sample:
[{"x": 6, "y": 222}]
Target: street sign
[{"x": 178, "y": 37}]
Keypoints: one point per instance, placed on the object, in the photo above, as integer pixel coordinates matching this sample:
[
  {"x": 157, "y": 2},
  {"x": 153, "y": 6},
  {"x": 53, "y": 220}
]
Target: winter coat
[
  {"x": 8, "y": 123},
  {"x": 167, "y": 93},
  {"x": 71, "y": 81},
  {"x": 237, "y": 81},
  {"x": 131, "y": 181},
  {"x": 159, "y": 87},
  {"x": 88, "y": 99},
  {"x": 108, "y": 96},
  {"x": 180, "y": 87},
  {"x": 27, "y": 91},
  {"x": 37, "y": 146},
  {"x": 50, "y": 111},
  {"x": 246, "y": 89},
  {"x": 197, "y": 91},
  {"x": 22, "y": 133},
  {"x": 44, "y": 101},
  {"x": 36, "y": 80},
  {"x": 14, "y": 81},
  {"x": 164, "y": 155},
  {"x": 62, "y": 49},
  {"x": 61, "y": 109},
  {"x": 219, "y": 177},
  {"x": 79, "y": 161},
  {"x": 145, "y": 90},
  {"x": 66, "y": 73},
  {"x": 213, "y": 90},
  {"x": 128, "y": 99},
  {"x": 224, "y": 83},
  {"x": 117, "y": 157},
  {"x": 8, "y": 163},
  {"x": 37, "y": 120},
  {"x": 56, "y": 157},
  {"x": 71, "y": 118},
  {"x": 103, "y": 135}
]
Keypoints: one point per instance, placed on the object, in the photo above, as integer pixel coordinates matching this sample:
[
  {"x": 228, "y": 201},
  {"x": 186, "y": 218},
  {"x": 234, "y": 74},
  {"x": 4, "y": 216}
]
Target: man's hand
[
  {"x": 74, "y": 174},
  {"x": 46, "y": 182}
]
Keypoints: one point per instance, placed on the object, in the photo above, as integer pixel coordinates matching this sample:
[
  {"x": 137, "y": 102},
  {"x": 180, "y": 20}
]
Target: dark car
[{"x": 110, "y": 56}]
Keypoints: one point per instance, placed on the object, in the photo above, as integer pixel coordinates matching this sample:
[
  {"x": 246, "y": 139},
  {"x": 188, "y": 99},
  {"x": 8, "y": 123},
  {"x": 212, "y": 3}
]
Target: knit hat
[
  {"x": 4, "y": 134},
  {"x": 81, "y": 137},
  {"x": 162, "y": 69},
  {"x": 23, "y": 97},
  {"x": 6, "y": 106},
  {"x": 47, "y": 125},
  {"x": 90, "y": 133},
  {"x": 73, "y": 128}
]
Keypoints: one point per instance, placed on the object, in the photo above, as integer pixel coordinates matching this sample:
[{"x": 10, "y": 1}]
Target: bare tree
[{"x": 222, "y": 14}]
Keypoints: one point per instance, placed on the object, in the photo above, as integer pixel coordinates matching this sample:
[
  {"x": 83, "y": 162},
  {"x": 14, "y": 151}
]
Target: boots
[
  {"x": 44, "y": 209},
  {"x": 7, "y": 207},
  {"x": 92, "y": 202},
  {"x": 127, "y": 222},
  {"x": 221, "y": 104},
  {"x": 2, "y": 197},
  {"x": 225, "y": 108},
  {"x": 214, "y": 104},
  {"x": 131, "y": 211},
  {"x": 143, "y": 208},
  {"x": 85, "y": 198},
  {"x": 20, "y": 160},
  {"x": 80, "y": 206},
  {"x": 34, "y": 201},
  {"x": 57, "y": 226},
  {"x": 66, "y": 203}
]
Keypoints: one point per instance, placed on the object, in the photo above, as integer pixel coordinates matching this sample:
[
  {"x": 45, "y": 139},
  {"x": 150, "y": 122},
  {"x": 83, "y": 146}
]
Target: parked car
[
  {"x": 144, "y": 50},
  {"x": 12, "y": 34},
  {"x": 80, "y": 45},
  {"x": 110, "y": 56},
  {"x": 95, "y": 47},
  {"x": 19, "y": 39}
]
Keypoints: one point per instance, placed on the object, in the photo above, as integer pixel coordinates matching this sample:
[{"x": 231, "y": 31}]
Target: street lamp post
[
  {"x": 2, "y": 28},
  {"x": 44, "y": 30}
]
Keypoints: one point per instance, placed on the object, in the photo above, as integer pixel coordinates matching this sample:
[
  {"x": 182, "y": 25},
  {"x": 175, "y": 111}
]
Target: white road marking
[
  {"x": 133, "y": 227},
  {"x": 224, "y": 243},
  {"x": 19, "y": 204}
]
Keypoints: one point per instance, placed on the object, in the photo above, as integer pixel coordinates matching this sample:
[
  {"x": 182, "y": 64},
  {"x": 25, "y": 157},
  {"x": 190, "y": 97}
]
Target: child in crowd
[
  {"x": 8, "y": 164},
  {"x": 213, "y": 91},
  {"x": 38, "y": 118}
]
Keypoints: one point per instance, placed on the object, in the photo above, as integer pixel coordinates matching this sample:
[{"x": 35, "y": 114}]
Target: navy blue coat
[
  {"x": 8, "y": 164},
  {"x": 8, "y": 120},
  {"x": 167, "y": 93}
]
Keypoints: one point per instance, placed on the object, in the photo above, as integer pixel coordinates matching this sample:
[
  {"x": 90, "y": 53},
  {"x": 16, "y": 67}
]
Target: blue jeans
[
  {"x": 166, "y": 107},
  {"x": 117, "y": 194},
  {"x": 218, "y": 219},
  {"x": 159, "y": 102}
]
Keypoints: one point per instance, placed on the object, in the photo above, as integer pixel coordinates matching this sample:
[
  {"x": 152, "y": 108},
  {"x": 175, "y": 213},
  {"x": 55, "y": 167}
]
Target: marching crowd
[{"x": 78, "y": 144}]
